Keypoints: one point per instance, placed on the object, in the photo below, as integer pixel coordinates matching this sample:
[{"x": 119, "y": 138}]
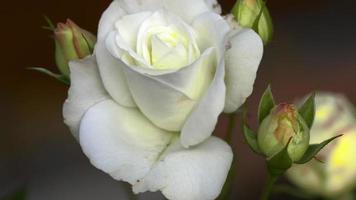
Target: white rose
[{"x": 145, "y": 104}]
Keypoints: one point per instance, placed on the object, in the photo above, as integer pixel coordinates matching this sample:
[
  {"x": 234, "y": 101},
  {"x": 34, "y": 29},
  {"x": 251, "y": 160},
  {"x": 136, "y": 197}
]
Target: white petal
[
  {"x": 214, "y": 5},
  {"x": 112, "y": 75},
  {"x": 119, "y": 49},
  {"x": 108, "y": 19},
  {"x": 166, "y": 107},
  {"x": 129, "y": 25},
  {"x": 135, "y": 6},
  {"x": 193, "y": 80},
  {"x": 187, "y": 9},
  {"x": 159, "y": 24},
  {"x": 168, "y": 99},
  {"x": 175, "y": 58},
  {"x": 212, "y": 30},
  {"x": 242, "y": 60},
  {"x": 121, "y": 141},
  {"x": 159, "y": 48},
  {"x": 124, "y": 144},
  {"x": 190, "y": 9},
  {"x": 85, "y": 91},
  {"x": 190, "y": 174},
  {"x": 201, "y": 122},
  {"x": 119, "y": 8}
]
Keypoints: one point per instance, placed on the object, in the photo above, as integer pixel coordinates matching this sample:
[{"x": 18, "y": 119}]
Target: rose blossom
[{"x": 145, "y": 104}]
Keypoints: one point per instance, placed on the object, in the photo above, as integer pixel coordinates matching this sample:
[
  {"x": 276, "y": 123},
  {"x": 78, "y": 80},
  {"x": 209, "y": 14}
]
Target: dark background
[{"x": 314, "y": 48}]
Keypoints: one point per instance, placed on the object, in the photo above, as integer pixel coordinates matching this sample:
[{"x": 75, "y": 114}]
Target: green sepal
[
  {"x": 50, "y": 26},
  {"x": 264, "y": 25},
  {"x": 62, "y": 78},
  {"x": 314, "y": 149},
  {"x": 258, "y": 18},
  {"x": 251, "y": 139},
  {"x": 255, "y": 15},
  {"x": 266, "y": 104},
  {"x": 307, "y": 110},
  {"x": 280, "y": 162}
]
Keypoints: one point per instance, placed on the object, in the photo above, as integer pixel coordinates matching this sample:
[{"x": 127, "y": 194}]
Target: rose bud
[
  {"x": 282, "y": 126},
  {"x": 254, "y": 14},
  {"x": 72, "y": 42},
  {"x": 335, "y": 176}
]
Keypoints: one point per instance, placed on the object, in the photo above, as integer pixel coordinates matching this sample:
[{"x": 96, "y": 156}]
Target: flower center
[
  {"x": 162, "y": 41},
  {"x": 166, "y": 47}
]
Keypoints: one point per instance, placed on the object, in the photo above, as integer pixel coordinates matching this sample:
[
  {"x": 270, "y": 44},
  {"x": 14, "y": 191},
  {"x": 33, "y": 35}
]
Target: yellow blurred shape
[
  {"x": 341, "y": 166},
  {"x": 323, "y": 113}
]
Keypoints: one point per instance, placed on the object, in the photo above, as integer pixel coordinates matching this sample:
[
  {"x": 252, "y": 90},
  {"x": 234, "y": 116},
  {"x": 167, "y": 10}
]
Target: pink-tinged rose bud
[
  {"x": 72, "y": 42},
  {"x": 283, "y": 124}
]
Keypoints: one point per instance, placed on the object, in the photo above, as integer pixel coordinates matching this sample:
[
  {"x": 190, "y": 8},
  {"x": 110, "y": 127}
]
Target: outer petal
[
  {"x": 211, "y": 30},
  {"x": 108, "y": 19},
  {"x": 242, "y": 60},
  {"x": 119, "y": 8},
  {"x": 190, "y": 174},
  {"x": 214, "y": 4},
  {"x": 86, "y": 90},
  {"x": 121, "y": 141},
  {"x": 113, "y": 77},
  {"x": 184, "y": 8},
  {"x": 134, "y": 6},
  {"x": 129, "y": 25},
  {"x": 187, "y": 9},
  {"x": 194, "y": 79},
  {"x": 201, "y": 122},
  {"x": 110, "y": 71}
]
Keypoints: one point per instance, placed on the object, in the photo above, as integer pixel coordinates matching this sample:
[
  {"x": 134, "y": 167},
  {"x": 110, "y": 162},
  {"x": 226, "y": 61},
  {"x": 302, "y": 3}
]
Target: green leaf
[
  {"x": 314, "y": 149},
  {"x": 280, "y": 162},
  {"x": 266, "y": 104},
  {"x": 307, "y": 110},
  {"x": 251, "y": 139},
  {"x": 59, "y": 77}
]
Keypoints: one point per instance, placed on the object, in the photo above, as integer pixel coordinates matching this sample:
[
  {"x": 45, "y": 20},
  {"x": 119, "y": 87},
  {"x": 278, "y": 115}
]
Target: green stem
[
  {"x": 269, "y": 186},
  {"x": 226, "y": 192},
  {"x": 231, "y": 128}
]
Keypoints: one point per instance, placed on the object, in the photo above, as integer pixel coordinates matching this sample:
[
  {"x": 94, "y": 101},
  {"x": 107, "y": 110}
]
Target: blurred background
[{"x": 314, "y": 48}]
